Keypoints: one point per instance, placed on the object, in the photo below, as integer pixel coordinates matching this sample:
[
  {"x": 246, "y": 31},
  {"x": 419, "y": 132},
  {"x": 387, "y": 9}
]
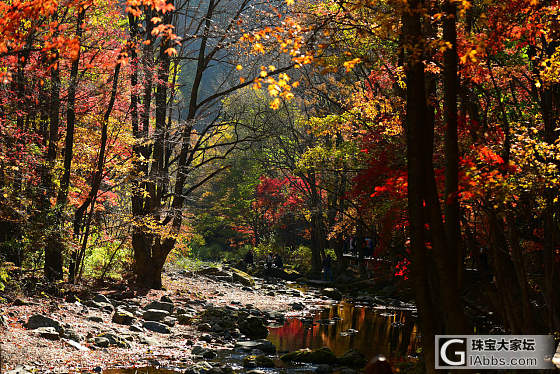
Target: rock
[
  {"x": 258, "y": 361},
  {"x": 207, "y": 353},
  {"x": 136, "y": 328},
  {"x": 123, "y": 317},
  {"x": 242, "y": 277},
  {"x": 166, "y": 299},
  {"x": 76, "y": 345},
  {"x": 95, "y": 319},
  {"x": 261, "y": 344},
  {"x": 3, "y": 322},
  {"x": 345, "y": 370},
  {"x": 47, "y": 333},
  {"x": 319, "y": 356},
  {"x": 71, "y": 334},
  {"x": 184, "y": 319},
  {"x": 161, "y": 305},
  {"x": 39, "y": 320},
  {"x": 332, "y": 293},
  {"x": 100, "y": 298},
  {"x": 170, "y": 321},
  {"x": 115, "y": 340},
  {"x": 199, "y": 368},
  {"x": 101, "y": 342},
  {"x": 156, "y": 327},
  {"x": 256, "y": 372},
  {"x": 323, "y": 369},
  {"x": 155, "y": 315},
  {"x": 353, "y": 359},
  {"x": 148, "y": 341},
  {"x": 213, "y": 271},
  {"x": 253, "y": 327},
  {"x": 297, "y": 306},
  {"x": 379, "y": 365},
  {"x": 206, "y": 338}
]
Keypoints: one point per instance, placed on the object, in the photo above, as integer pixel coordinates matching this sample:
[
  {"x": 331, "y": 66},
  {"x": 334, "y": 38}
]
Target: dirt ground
[{"x": 20, "y": 346}]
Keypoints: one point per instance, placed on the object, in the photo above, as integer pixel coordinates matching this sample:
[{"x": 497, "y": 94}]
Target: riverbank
[
  {"x": 90, "y": 321},
  {"x": 199, "y": 319}
]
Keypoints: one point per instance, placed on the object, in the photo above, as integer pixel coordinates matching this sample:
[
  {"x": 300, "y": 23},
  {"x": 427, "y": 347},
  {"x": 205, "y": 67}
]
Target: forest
[{"x": 385, "y": 169}]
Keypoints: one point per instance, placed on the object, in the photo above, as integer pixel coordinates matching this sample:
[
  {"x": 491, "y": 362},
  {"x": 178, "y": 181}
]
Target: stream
[{"x": 371, "y": 330}]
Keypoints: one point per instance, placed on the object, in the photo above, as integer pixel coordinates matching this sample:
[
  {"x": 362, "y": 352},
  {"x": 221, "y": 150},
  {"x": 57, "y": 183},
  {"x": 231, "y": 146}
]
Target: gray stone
[
  {"x": 101, "y": 342},
  {"x": 253, "y": 327},
  {"x": 71, "y": 334},
  {"x": 261, "y": 344},
  {"x": 155, "y": 315},
  {"x": 319, "y": 356},
  {"x": 332, "y": 293},
  {"x": 258, "y": 361},
  {"x": 184, "y": 319},
  {"x": 95, "y": 319},
  {"x": 47, "y": 333},
  {"x": 100, "y": 298},
  {"x": 297, "y": 306},
  {"x": 76, "y": 345},
  {"x": 39, "y": 320},
  {"x": 148, "y": 341},
  {"x": 353, "y": 359},
  {"x": 207, "y": 353},
  {"x": 160, "y": 305},
  {"x": 170, "y": 321},
  {"x": 323, "y": 369},
  {"x": 135, "y": 328},
  {"x": 115, "y": 339},
  {"x": 123, "y": 317},
  {"x": 156, "y": 327}
]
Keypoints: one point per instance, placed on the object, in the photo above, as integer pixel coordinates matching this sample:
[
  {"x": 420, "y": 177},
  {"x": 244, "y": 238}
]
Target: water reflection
[{"x": 388, "y": 332}]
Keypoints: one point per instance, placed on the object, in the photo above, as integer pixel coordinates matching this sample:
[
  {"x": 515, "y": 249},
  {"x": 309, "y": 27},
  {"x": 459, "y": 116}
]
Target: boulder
[
  {"x": 184, "y": 319},
  {"x": 115, "y": 340},
  {"x": 135, "y": 328},
  {"x": 161, "y": 305},
  {"x": 318, "y": 356},
  {"x": 332, "y": 293},
  {"x": 297, "y": 306},
  {"x": 170, "y": 321},
  {"x": 101, "y": 342},
  {"x": 242, "y": 277},
  {"x": 253, "y": 327},
  {"x": 251, "y": 362},
  {"x": 353, "y": 359},
  {"x": 323, "y": 369},
  {"x": 155, "y": 315},
  {"x": 39, "y": 320},
  {"x": 213, "y": 271},
  {"x": 156, "y": 327},
  {"x": 261, "y": 344},
  {"x": 123, "y": 317},
  {"x": 71, "y": 334},
  {"x": 100, "y": 298},
  {"x": 207, "y": 353},
  {"x": 95, "y": 319},
  {"x": 47, "y": 333}
]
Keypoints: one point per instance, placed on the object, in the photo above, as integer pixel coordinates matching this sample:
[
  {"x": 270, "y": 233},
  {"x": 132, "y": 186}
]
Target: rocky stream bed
[{"x": 215, "y": 321}]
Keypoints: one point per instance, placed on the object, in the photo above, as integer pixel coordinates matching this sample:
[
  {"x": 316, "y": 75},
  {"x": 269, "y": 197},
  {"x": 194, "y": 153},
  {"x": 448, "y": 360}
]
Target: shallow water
[
  {"x": 387, "y": 331},
  {"x": 343, "y": 326}
]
